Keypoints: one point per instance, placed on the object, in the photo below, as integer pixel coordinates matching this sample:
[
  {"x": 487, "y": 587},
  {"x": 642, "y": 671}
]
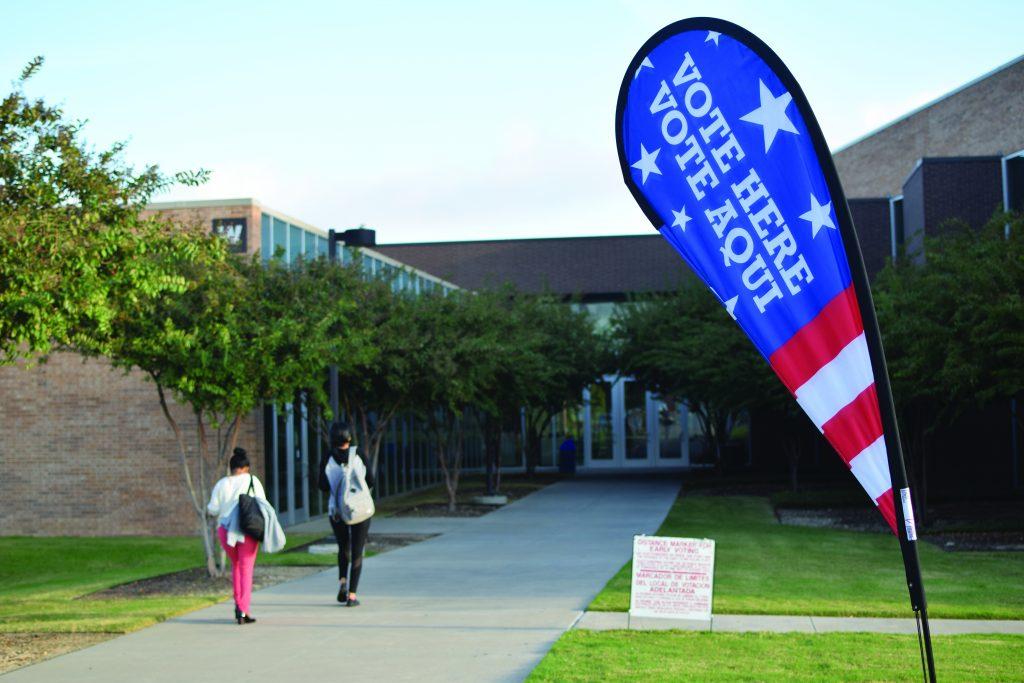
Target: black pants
[{"x": 351, "y": 544}]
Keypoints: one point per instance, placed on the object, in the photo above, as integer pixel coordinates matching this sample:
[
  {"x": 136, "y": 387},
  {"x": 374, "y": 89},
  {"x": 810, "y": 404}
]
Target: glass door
[
  {"x": 598, "y": 433},
  {"x": 635, "y": 423}
]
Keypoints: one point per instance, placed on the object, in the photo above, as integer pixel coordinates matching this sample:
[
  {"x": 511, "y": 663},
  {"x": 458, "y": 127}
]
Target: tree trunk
[
  {"x": 198, "y": 504},
  {"x": 492, "y": 450},
  {"x": 450, "y": 481},
  {"x": 213, "y": 565}
]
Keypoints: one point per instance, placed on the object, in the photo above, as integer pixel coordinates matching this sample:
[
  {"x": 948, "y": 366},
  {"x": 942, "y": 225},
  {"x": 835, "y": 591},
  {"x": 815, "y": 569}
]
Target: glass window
[
  {"x": 281, "y": 238},
  {"x": 322, "y": 247},
  {"x": 283, "y": 456},
  {"x": 266, "y": 237},
  {"x": 636, "y": 421},
  {"x": 670, "y": 431},
  {"x": 310, "y": 239},
  {"x": 896, "y": 228},
  {"x": 1014, "y": 180},
  {"x": 295, "y": 243},
  {"x": 601, "y": 421}
]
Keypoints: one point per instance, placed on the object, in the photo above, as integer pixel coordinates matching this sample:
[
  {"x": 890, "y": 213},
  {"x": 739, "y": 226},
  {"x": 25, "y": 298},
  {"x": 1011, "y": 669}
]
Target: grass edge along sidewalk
[
  {"x": 685, "y": 655},
  {"x": 42, "y": 581},
  {"x": 763, "y": 567}
]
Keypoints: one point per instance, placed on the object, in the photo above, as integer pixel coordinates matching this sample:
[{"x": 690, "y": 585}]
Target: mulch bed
[
  {"x": 441, "y": 510},
  {"x": 21, "y": 649},
  {"x": 198, "y": 582},
  {"x": 869, "y": 520}
]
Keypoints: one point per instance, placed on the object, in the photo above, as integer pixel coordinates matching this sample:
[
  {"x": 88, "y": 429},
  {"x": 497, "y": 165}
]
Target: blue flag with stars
[{"x": 721, "y": 150}]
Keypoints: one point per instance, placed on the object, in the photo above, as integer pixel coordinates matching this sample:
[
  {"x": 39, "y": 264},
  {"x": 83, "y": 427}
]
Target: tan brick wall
[
  {"x": 984, "y": 119},
  {"x": 203, "y": 216},
  {"x": 86, "y": 450}
]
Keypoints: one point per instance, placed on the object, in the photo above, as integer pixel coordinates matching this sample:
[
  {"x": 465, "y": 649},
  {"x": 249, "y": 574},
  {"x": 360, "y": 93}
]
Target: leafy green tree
[
  {"x": 455, "y": 372},
  {"x": 377, "y": 385},
  {"x": 567, "y": 355},
  {"x": 517, "y": 361},
  {"x": 72, "y": 239},
  {"x": 683, "y": 346},
  {"x": 243, "y": 334},
  {"x": 953, "y": 329}
]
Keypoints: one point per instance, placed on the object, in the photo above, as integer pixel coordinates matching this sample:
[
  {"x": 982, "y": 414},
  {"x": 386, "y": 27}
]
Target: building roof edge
[{"x": 927, "y": 105}]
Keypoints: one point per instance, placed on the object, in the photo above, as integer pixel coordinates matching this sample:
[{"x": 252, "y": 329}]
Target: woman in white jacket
[{"x": 223, "y": 500}]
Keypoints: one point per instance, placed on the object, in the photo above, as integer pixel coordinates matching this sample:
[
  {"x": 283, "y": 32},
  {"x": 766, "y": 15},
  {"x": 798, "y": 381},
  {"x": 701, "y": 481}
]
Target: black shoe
[
  {"x": 246, "y": 619},
  {"x": 238, "y": 615},
  {"x": 343, "y": 594},
  {"x": 352, "y": 602}
]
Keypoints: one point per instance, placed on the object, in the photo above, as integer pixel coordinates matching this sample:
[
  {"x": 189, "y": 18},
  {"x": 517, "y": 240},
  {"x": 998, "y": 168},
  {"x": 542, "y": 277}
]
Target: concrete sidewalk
[
  {"x": 392, "y": 525},
  {"x": 482, "y": 602},
  {"x": 606, "y": 621}
]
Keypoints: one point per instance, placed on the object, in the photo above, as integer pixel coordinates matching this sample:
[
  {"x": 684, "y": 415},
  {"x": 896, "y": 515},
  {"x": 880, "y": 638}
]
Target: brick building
[
  {"x": 86, "y": 450},
  {"x": 958, "y": 158}
]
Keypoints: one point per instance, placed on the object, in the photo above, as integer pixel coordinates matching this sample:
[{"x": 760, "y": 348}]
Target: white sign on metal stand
[{"x": 673, "y": 578}]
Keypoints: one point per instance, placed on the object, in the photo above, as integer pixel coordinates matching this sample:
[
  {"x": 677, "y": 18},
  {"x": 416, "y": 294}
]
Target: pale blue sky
[{"x": 450, "y": 120}]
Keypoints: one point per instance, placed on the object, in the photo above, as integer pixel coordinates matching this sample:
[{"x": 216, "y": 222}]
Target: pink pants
[{"x": 243, "y": 559}]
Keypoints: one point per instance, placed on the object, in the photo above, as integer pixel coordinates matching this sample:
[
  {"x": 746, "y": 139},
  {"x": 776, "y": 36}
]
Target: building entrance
[{"x": 625, "y": 426}]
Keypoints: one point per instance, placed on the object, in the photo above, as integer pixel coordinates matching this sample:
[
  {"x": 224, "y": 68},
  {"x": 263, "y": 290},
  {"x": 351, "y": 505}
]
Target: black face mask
[{"x": 340, "y": 456}]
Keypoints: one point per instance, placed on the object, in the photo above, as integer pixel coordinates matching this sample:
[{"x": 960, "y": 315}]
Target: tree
[
  {"x": 72, "y": 240},
  {"x": 375, "y": 386},
  {"x": 517, "y": 362},
  {"x": 454, "y": 373},
  {"x": 683, "y": 346},
  {"x": 567, "y": 357},
  {"x": 953, "y": 329},
  {"x": 243, "y": 334}
]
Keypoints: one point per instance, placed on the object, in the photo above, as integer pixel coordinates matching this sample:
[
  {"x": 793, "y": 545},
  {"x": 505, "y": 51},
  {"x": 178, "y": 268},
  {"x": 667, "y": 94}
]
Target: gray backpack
[{"x": 356, "y": 503}]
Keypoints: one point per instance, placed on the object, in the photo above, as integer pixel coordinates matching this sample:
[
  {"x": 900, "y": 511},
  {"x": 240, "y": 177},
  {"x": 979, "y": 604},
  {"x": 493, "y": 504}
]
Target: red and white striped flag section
[{"x": 826, "y": 366}]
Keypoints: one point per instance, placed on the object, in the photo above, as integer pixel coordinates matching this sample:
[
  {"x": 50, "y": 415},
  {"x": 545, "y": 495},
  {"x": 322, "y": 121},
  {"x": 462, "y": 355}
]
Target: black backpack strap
[{"x": 252, "y": 490}]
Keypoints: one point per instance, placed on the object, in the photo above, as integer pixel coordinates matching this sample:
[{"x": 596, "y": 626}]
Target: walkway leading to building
[{"x": 482, "y": 602}]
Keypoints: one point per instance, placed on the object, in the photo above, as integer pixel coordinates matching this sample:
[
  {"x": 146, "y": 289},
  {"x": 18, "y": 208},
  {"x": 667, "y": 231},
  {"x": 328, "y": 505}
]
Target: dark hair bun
[{"x": 240, "y": 459}]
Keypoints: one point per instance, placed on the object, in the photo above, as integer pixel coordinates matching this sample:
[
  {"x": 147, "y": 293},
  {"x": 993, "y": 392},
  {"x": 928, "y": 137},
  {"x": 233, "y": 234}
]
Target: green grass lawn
[
  {"x": 696, "y": 656},
  {"x": 43, "y": 579},
  {"x": 762, "y": 567}
]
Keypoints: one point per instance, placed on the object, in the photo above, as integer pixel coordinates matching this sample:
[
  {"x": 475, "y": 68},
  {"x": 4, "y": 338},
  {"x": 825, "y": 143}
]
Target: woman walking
[
  {"x": 223, "y": 505},
  {"x": 341, "y": 473}
]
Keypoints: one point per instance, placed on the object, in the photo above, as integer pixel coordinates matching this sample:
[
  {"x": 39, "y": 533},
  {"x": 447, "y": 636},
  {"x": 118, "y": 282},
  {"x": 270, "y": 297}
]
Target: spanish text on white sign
[{"x": 672, "y": 577}]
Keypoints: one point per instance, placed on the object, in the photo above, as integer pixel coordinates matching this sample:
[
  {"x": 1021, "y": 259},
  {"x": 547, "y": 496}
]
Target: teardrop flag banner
[{"x": 721, "y": 150}]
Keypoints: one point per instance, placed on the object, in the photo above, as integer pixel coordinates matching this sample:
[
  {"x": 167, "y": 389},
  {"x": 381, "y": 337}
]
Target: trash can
[{"x": 567, "y": 456}]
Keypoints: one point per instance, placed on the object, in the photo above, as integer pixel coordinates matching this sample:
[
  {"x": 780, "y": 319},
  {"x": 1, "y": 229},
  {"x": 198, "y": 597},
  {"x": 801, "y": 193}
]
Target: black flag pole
[
  {"x": 905, "y": 525},
  {"x": 903, "y": 508}
]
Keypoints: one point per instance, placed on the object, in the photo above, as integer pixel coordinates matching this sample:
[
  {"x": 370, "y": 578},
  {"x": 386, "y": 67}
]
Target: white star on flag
[
  {"x": 771, "y": 115},
  {"x": 713, "y": 36},
  {"x": 646, "y": 164},
  {"x": 819, "y": 216},
  {"x": 730, "y": 306},
  {"x": 681, "y": 218},
  {"x": 647, "y": 62}
]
